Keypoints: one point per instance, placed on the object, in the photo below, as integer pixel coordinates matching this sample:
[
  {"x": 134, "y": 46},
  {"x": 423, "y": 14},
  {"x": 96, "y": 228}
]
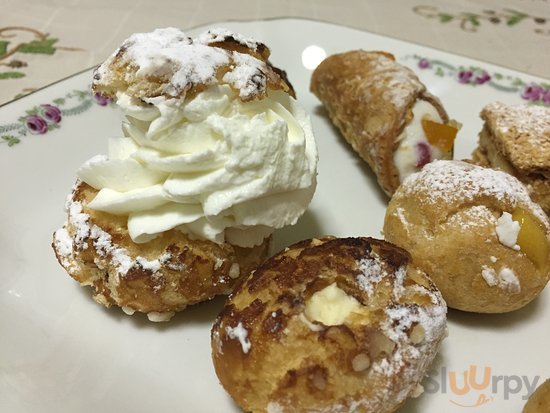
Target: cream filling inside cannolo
[
  {"x": 213, "y": 167},
  {"x": 414, "y": 150}
]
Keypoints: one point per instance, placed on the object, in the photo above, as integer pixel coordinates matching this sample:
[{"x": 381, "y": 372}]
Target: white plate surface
[{"x": 59, "y": 351}]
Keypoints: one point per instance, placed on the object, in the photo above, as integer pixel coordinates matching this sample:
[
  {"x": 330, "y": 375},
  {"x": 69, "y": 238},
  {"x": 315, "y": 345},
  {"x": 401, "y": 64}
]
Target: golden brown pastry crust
[
  {"x": 271, "y": 358},
  {"x": 120, "y": 72},
  {"x": 446, "y": 217},
  {"x": 521, "y": 134},
  {"x": 516, "y": 139},
  {"x": 162, "y": 276},
  {"x": 369, "y": 97},
  {"x": 539, "y": 402}
]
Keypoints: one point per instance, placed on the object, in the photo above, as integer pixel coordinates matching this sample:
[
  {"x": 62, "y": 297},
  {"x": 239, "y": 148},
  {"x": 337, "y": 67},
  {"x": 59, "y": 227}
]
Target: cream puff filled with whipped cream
[{"x": 215, "y": 155}]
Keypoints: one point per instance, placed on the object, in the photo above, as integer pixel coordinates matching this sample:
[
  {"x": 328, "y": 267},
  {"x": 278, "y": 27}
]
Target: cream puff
[
  {"x": 216, "y": 155},
  {"x": 336, "y": 325},
  {"x": 476, "y": 232}
]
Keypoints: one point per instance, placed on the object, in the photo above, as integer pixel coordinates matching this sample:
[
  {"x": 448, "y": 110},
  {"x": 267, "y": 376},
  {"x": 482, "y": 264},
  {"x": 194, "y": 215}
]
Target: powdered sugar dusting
[
  {"x": 371, "y": 273},
  {"x": 240, "y": 333},
  {"x": 220, "y": 34},
  {"x": 152, "y": 266},
  {"x": 397, "y": 92},
  {"x": 63, "y": 242},
  {"x": 461, "y": 182},
  {"x": 400, "y": 213},
  {"x": 522, "y": 133},
  {"x": 247, "y": 75},
  {"x": 478, "y": 216},
  {"x": 170, "y": 54},
  {"x": 102, "y": 242},
  {"x": 400, "y": 83},
  {"x": 79, "y": 221},
  {"x": 509, "y": 281},
  {"x": 401, "y": 317},
  {"x": 532, "y": 119},
  {"x": 506, "y": 279},
  {"x": 167, "y": 259},
  {"x": 489, "y": 275}
]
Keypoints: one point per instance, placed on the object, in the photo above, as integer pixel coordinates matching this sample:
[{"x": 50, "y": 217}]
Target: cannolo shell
[{"x": 369, "y": 97}]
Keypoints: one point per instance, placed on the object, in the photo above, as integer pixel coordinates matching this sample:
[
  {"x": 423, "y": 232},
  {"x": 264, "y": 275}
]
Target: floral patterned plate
[{"x": 58, "y": 349}]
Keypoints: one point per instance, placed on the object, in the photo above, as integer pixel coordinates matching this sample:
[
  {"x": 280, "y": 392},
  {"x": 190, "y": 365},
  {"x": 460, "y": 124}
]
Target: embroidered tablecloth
[{"x": 43, "y": 41}]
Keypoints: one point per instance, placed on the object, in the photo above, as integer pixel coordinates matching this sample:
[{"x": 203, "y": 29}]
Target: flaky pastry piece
[
  {"x": 189, "y": 66},
  {"x": 539, "y": 402},
  {"x": 475, "y": 230},
  {"x": 329, "y": 325},
  {"x": 516, "y": 139},
  {"x": 158, "y": 277},
  {"x": 371, "y": 99}
]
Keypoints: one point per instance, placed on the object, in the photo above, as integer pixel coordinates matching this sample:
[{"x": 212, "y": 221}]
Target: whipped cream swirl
[{"x": 214, "y": 167}]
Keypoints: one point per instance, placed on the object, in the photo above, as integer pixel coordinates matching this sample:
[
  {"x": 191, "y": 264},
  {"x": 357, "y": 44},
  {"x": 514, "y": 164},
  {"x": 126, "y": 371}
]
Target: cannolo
[
  {"x": 385, "y": 113},
  {"x": 516, "y": 139}
]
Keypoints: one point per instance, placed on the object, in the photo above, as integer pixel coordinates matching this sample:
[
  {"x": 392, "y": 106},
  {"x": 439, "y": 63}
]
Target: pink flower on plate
[
  {"x": 464, "y": 76},
  {"x": 51, "y": 113},
  {"x": 102, "y": 100},
  {"x": 532, "y": 92},
  {"x": 424, "y": 63},
  {"x": 482, "y": 78},
  {"x": 36, "y": 125}
]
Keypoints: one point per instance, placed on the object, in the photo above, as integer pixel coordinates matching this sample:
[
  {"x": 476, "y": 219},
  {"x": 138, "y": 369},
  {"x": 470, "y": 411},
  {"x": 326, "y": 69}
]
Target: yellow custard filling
[{"x": 531, "y": 237}]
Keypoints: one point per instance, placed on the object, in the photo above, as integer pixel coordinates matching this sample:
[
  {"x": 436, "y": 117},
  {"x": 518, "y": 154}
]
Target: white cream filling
[
  {"x": 406, "y": 157},
  {"x": 331, "y": 306},
  {"x": 213, "y": 167}
]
